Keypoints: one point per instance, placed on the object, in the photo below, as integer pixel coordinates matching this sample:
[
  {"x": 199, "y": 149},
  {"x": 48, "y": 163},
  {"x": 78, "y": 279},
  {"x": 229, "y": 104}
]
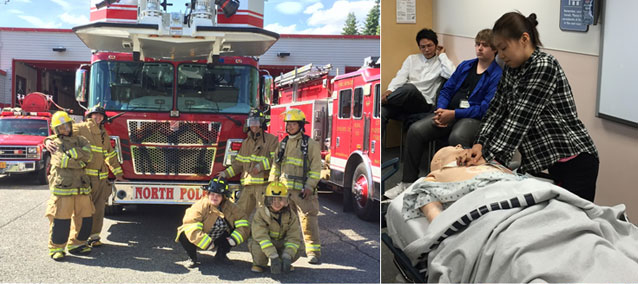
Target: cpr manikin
[{"x": 448, "y": 182}]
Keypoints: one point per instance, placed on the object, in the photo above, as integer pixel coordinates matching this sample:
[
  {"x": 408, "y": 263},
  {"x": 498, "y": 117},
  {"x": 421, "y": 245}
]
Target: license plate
[{"x": 3, "y": 165}]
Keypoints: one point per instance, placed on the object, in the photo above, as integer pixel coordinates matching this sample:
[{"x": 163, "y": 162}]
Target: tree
[
  {"x": 371, "y": 26},
  {"x": 350, "y": 27}
]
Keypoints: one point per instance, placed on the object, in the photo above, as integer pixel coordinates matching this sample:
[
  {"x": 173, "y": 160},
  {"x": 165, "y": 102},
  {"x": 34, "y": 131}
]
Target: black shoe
[
  {"x": 287, "y": 265},
  {"x": 314, "y": 260},
  {"x": 94, "y": 243},
  {"x": 193, "y": 264},
  {"x": 222, "y": 258},
  {"x": 81, "y": 250},
  {"x": 275, "y": 266}
]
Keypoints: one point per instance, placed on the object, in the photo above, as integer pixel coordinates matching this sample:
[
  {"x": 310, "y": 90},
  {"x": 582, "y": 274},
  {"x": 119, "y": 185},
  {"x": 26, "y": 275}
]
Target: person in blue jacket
[{"x": 461, "y": 104}]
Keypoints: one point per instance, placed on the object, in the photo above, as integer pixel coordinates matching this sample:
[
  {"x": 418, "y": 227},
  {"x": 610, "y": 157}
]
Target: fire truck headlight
[{"x": 32, "y": 152}]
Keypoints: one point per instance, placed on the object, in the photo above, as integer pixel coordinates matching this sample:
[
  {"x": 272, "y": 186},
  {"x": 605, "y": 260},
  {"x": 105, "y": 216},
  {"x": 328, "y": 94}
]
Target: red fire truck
[
  {"x": 22, "y": 133},
  {"x": 344, "y": 115},
  {"x": 183, "y": 85}
]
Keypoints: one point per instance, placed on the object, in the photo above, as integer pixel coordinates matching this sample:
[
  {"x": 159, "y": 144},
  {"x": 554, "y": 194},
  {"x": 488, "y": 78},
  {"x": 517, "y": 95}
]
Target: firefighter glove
[{"x": 231, "y": 241}]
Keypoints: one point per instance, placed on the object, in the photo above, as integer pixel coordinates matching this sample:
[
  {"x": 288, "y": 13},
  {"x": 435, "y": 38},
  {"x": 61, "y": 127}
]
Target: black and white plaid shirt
[
  {"x": 219, "y": 228},
  {"x": 534, "y": 110}
]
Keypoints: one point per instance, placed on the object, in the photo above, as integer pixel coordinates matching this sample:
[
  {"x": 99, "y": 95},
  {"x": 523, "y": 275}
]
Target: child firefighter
[
  {"x": 69, "y": 209},
  {"x": 213, "y": 221},
  {"x": 276, "y": 232}
]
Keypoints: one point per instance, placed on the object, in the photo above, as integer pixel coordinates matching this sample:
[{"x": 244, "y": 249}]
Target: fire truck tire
[
  {"x": 359, "y": 195},
  {"x": 42, "y": 175}
]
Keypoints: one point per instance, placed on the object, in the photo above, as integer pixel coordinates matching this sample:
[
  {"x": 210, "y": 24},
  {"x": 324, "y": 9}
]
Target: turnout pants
[
  {"x": 260, "y": 258},
  {"x": 70, "y": 221},
  {"x": 221, "y": 244},
  {"x": 251, "y": 196},
  {"x": 100, "y": 192},
  {"x": 307, "y": 209}
]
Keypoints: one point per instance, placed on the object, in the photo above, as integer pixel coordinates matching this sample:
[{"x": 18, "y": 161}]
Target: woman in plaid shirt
[{"x": 533, "y": 111}]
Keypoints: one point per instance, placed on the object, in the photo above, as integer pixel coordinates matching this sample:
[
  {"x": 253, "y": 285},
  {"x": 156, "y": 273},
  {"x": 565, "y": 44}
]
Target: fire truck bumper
[
  {"x": 11, "y": 167},
  {"x": 135, "y": 192}
]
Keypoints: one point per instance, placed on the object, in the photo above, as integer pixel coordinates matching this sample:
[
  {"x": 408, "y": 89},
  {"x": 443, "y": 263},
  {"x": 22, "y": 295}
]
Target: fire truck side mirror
[
  {"x": 266, "y": 89},
  {"x": 81, "y": 81}
]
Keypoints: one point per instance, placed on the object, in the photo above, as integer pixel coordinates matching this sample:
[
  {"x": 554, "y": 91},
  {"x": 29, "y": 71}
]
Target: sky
[{"x": 325, "y": 17}]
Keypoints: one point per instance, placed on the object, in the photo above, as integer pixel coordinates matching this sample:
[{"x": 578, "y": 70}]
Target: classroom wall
[
  {"x": 578, "y": 54},
  {"x": 398, "y": 40}
]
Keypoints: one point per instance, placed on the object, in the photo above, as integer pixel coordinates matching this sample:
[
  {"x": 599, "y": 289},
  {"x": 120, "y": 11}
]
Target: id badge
[{"x": 464, "y": 104}]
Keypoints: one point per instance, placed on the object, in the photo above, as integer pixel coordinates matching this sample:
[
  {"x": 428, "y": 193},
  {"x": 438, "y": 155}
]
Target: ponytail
[{"x": 512, "y": 25}]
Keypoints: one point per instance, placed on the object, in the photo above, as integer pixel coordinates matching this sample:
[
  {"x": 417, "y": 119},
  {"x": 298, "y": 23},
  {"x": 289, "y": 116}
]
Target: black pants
[
  {"x": 223, "y": 247},
  {"x": 577, "y": 175},
  {"x": 462, "y": 132},
  {"x": 404, "y": 101}
]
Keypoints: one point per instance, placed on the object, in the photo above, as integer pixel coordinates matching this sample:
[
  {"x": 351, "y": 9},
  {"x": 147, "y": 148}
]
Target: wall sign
[
  {"x": 406, "y": 11},
  {"x": 577, "y": 15}
]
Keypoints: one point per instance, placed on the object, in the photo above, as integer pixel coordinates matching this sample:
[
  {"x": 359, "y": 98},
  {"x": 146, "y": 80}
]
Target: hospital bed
[{"x": 537, "y": 234}]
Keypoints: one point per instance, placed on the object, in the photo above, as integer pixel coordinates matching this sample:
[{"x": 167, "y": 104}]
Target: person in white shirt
[{"x": 413, "y": 89}]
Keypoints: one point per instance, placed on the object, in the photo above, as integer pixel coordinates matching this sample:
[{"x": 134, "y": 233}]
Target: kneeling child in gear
[
  {"x": 298, "y": 166},
  {"x": 213, "y": 221},
  {"x": 69, "y": 209},
  {"x": 276, "y": 232}
]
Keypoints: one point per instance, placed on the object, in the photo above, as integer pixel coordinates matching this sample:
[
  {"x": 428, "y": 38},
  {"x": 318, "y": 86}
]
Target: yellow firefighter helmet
[
  {"x": 294, "y": 115},
  {"x": 60, "y": 118},
  {"x": 276, "y": 189}
]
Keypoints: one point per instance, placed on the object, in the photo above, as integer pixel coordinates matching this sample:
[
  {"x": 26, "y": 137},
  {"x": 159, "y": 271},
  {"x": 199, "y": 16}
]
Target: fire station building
[{"x": 45, "y": 60}]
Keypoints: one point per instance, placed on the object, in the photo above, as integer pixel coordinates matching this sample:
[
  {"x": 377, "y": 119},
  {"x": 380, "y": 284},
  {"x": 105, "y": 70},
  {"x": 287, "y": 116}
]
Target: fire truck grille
[
  {"x": 183, "y": 133},
  {"x": 13, "y": 152},
  {"x": 173, "y": 161}
]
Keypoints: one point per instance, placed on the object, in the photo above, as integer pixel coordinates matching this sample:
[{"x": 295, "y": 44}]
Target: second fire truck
[{"x": 343, "y": 112}]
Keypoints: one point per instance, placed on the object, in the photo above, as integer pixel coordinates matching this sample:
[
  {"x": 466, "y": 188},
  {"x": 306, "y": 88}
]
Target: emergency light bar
[{"x": 20, "y": 112}]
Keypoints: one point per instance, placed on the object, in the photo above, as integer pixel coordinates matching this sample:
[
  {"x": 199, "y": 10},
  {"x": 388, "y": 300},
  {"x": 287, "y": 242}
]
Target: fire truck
[
  {"x": 343, "y": 114},
  {"x": 181, "y": 86},
  {"x": 22, "y": 133}
]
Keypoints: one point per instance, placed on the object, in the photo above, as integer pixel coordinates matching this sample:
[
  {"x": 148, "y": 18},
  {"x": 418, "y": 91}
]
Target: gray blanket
[{"x": 527, "y": 231}]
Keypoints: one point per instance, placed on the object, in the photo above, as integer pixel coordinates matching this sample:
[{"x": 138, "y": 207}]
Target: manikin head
[{"x": 446, "y": 155}]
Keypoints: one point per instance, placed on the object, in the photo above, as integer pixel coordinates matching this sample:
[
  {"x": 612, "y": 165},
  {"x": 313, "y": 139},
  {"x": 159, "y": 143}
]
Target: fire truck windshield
[
  {"x": 132, "y": 86},
  {"x": 10, "y": 126},
  {"x": 216, "y": 88}
]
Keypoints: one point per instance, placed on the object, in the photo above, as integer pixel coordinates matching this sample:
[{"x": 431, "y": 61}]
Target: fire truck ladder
[
  {"x": 165, "y": 36},
  {"x": 301, "y": 75}
]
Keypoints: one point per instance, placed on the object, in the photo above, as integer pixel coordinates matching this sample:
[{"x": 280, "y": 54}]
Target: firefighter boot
[
  {"x": 314, "y": 259},
  {"x": 94, "y": 242},
  {"x": 80, "y": 250},
  {"x": 286, "y": 263},
  {"x": 57, "y": 256},
  {"x": 275, "y": 265},
  {"x": 193, "y": 263},
  {"x": 223, "y": 247},
  {"x": 257, "y": 269}
]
